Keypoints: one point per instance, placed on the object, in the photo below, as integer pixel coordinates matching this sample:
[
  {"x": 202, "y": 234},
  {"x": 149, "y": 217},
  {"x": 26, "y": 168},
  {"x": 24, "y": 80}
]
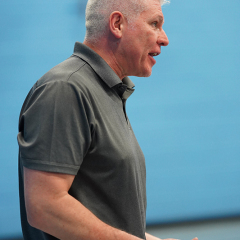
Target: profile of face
[{"x": 142, "y": 40}]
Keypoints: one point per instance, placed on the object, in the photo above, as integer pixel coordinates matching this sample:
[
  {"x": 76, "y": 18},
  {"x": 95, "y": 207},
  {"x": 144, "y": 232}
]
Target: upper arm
[{"x": 43, "y": 189}]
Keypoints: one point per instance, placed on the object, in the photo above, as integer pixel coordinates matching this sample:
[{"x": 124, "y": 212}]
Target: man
[{"x": 81, "y": 170}]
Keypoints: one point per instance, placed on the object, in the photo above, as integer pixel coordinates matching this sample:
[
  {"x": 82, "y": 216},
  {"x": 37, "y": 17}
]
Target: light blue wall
[{"x": 186, "y": 115}]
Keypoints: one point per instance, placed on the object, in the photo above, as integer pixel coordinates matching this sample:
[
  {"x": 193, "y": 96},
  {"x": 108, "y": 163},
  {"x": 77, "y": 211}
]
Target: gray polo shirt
[{"x": 74, "y": 121}]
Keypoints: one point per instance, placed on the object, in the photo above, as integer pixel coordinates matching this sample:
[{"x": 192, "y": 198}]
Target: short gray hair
[{"x": 98, "y": 12}]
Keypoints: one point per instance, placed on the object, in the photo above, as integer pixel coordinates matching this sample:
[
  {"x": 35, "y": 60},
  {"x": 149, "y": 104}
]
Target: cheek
[{"x": 149, "y": 41}]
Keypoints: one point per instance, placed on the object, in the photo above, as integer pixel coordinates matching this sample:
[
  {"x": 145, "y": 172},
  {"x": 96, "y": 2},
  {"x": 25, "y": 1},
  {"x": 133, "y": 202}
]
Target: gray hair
[{"x": 98, "y": 12}]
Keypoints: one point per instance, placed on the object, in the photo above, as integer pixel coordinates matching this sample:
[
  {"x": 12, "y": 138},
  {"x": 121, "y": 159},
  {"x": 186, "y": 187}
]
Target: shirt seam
[{"x": 75, "y": 71}]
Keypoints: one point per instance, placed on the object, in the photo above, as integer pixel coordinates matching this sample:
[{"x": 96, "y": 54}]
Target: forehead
[{"x": 153, "y": 9}]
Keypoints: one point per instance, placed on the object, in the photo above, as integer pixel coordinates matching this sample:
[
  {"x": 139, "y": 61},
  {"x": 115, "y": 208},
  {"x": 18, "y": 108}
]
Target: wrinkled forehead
[{"x": 153, "y": 9}]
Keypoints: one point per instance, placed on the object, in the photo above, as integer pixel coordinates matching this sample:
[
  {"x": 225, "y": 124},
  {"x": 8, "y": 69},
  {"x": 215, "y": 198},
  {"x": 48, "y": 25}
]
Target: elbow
[
  {"x": 33, "y": 220},
  {"x": 35, "y": 216}
]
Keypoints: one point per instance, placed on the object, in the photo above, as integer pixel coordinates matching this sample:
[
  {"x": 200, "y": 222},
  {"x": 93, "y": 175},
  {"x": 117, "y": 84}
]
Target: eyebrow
[{"x": 161, "y": 19}]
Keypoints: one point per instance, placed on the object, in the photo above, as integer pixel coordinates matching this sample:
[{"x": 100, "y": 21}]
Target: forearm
[{"x": 66, "y": 218}]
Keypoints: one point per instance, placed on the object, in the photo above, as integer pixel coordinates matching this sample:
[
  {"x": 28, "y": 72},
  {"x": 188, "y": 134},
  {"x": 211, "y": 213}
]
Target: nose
[{"x": 162, "y": 38}]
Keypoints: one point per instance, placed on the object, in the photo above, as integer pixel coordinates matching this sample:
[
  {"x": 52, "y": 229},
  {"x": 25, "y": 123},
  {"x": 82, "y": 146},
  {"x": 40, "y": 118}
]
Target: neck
[{"x": 105, "y": 50}]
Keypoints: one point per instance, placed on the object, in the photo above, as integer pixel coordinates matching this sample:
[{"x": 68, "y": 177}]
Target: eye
[{"x": 155, "y": 24}]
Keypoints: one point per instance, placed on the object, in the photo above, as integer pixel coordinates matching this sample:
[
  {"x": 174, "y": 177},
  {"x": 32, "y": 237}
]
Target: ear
[{"x": 116, "y": 22}]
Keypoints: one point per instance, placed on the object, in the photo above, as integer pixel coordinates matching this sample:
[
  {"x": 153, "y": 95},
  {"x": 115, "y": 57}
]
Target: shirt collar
[{"x": 101, "y": 67}]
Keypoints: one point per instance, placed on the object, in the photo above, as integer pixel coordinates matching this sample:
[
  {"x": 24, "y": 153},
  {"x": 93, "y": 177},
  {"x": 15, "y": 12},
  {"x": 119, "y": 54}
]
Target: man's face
[{"x": 142, "y": 41}]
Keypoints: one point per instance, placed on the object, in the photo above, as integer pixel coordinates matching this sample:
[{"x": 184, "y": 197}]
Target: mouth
[{"x": 154, "y": 54}]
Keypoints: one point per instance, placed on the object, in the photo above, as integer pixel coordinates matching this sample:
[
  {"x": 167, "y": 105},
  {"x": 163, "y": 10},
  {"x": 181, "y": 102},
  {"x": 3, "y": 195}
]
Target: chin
[{"x": 146, "y": 73}]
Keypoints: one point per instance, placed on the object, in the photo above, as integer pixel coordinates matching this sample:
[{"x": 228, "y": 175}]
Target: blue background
[{"x": 186, "y": 115}]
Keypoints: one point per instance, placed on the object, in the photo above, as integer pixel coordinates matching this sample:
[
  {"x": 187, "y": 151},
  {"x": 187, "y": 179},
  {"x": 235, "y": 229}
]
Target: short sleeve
[{"x": 55, "y": 128}]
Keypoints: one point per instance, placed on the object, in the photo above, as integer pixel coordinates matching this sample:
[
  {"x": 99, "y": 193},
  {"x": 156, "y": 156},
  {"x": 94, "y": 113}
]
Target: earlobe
[{"x": 116, "y": 23}]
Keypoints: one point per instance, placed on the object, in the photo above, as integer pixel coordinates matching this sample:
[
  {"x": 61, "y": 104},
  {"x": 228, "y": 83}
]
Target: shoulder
[
  {"x": 71, "y": 79},
  {"x": 74, "y": 72},
  {"x": 62, "y": 71}
]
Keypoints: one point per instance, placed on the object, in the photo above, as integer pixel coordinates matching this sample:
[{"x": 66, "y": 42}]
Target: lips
[{"x": 154, "y": 54}]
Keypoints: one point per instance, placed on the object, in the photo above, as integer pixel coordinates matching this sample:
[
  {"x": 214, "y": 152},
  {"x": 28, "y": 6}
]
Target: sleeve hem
[{"x": 49, "y": 166}]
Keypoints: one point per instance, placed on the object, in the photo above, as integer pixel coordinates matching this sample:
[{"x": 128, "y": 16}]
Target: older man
[{"x": 81, "y": 170}]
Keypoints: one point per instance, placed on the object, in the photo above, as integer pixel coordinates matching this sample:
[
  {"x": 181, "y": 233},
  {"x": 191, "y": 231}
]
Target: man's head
[
  {"x": 98, "y": 13},
  {"x": 128, "y": 35}
]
